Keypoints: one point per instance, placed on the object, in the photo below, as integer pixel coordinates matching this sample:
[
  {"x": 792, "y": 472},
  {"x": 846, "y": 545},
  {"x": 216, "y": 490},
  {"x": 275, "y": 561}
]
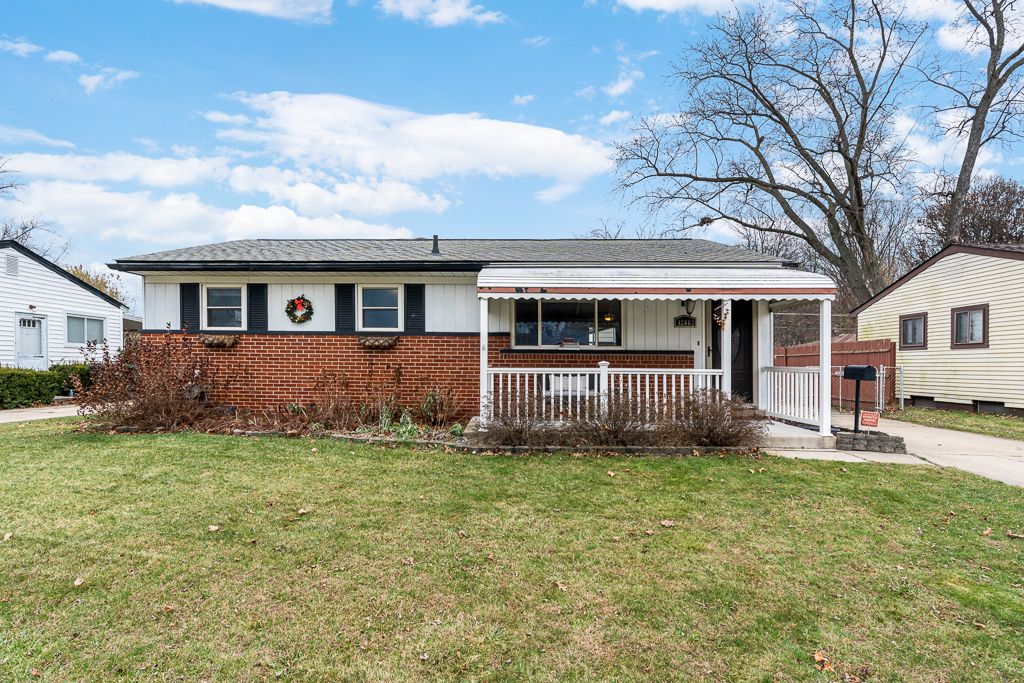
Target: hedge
[
  {"x": 20, "y": 388},
  {"x": 65, "y": 371}
]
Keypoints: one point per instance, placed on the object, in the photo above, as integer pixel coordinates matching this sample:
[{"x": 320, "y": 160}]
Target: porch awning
[{"x": 657, "y": 282}]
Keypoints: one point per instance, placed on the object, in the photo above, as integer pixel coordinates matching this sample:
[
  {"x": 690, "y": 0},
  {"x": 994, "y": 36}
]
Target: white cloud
[
  {"x": 149, "y": 143},
  {"x": 679, "y": 6},
  {"x": 537, "y": 41},
  {"x": 27, "y": 136},
  {"x": 614, "y": 116},
  {"x": 623, "y": 84},
  {"x": 121, "y": 167},
  {"x": 357, "y": 138},
  {"x": 221, "y": 117},
  {"x": 19, "y": 47},
  {"x": 105, "y": 79},
  {"x": 523, "y": 100},
  {"x": 320, "y": 196},
  {"x": 90, "y": 211},
  {"x": 63, "y": 57},
  {"x": 586, "y": 93},
  {"x": 297, "y": 10},
  {"x": 441, "y": 13}
]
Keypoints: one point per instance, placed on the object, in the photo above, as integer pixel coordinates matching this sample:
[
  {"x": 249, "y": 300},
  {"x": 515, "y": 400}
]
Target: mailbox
[{"x": 862, "y": 373}]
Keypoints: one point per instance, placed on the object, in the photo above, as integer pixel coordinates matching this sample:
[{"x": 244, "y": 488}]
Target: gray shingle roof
[{"x": 265, "y": 252}]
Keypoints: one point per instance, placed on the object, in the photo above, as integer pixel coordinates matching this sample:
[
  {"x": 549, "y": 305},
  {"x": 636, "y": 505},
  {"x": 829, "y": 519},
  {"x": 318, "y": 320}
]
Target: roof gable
[
  {"x": 1006, "y": 251},
  {"x": 50, "y": 265}
]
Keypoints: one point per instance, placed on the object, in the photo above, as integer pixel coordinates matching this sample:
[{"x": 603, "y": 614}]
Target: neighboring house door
[{"x": 30, "y": 346}]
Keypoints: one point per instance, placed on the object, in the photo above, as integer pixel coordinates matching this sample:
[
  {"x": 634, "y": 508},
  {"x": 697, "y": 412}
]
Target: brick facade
[{"x": 268, "y": 370}]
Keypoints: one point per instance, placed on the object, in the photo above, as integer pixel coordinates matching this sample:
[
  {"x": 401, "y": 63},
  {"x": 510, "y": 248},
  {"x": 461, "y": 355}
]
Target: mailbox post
[{"x": 858, "y": 373}]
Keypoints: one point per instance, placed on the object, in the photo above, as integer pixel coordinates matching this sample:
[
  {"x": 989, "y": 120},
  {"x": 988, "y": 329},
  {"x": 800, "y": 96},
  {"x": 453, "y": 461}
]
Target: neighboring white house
[
  {"x": 47, "y": 314},
  {"x": 958, "y": 323}
]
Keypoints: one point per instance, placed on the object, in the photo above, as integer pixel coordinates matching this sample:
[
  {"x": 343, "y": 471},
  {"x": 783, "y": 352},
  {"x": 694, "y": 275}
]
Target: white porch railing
[
  {"x": 553, "y": 393},
  {"x": 792, "y": 393}
]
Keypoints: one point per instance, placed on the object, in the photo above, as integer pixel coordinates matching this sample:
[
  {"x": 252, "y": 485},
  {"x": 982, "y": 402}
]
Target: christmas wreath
[{"x": 299, "y": 309}]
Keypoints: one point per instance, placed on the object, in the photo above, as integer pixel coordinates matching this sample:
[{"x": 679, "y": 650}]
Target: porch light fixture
[{"x": 690, "y": 304}]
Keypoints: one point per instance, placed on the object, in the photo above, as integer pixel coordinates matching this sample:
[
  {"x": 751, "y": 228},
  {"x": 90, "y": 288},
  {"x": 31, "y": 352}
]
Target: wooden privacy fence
[{"x": 877, "y": 352}]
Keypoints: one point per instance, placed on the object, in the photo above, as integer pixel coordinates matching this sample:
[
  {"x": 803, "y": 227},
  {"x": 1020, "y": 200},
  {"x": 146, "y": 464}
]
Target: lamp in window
[
  {"x": 608, "y": 317},
  {"x": 689, "y": 304}
]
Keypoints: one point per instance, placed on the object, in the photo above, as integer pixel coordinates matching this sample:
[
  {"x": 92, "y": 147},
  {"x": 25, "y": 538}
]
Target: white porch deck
[{"x": 797, "y": 394}]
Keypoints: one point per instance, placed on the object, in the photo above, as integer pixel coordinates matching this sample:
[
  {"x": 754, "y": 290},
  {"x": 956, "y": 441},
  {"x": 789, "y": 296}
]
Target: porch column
[
  {"x": 726, "y": 350},
  {"x": 483, "y": 360},
  {"x": 825, "y": 369},
  {"x": 765, "y": 351}
]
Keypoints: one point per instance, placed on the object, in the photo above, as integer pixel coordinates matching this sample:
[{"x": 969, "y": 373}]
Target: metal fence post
[{"x": 602, "y": 386}]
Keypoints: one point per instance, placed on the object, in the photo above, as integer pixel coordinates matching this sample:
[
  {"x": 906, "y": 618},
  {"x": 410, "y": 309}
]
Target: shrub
[
  {"x": 439, "y": 405},
  {"x": 379, "y": 405},
  {"x": 520, "y": 421},
  {"x": 710, "y": 418},
  {"x": 20, "y": 388},
  {"x": 68, "y": 371},
  {"x": 160, "y": 383},
  {"x": 624, "y": 421}
]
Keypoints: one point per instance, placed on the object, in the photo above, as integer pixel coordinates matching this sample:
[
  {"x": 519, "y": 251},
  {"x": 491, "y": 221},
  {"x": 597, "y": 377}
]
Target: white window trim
[
  {"x": 86, "y": 316},
  {"x": 401, "y": 307},
  {"x": 225, "y": 285},
  {"x": 557, "y": 347}
]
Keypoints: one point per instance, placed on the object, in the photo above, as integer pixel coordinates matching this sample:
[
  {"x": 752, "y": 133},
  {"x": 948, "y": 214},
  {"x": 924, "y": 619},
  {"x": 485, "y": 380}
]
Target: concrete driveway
[
  {"x": 988, "y": 456},
  {"x": 40, "y": 413}
]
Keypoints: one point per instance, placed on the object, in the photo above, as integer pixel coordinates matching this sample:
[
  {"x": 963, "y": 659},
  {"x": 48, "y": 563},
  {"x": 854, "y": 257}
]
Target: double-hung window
[
  {"x": 82, "y": 329},
  {"x": 969, "y": 327},
  {"x": 914, "y": 331},
  {"x": 380, "y": 308},
  {"x": 567, "y": 323},
  {"x": 224, "y": 306}
]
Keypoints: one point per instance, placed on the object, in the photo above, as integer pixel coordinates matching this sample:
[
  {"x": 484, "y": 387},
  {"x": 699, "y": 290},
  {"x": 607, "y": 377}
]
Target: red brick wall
[{"x": 268, "y": 370}]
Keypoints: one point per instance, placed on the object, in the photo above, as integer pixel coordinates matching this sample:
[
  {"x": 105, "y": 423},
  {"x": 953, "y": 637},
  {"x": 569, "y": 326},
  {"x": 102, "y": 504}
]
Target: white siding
[
  {"x": 55, "y": 297},
  {"x": 321, "y": 295},
  {"x": 162, "y": 306},
  {"x": 958, "y": 375}
]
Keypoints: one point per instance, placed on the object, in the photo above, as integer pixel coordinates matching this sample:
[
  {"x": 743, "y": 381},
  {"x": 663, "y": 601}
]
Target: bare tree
[
  {"x": 786, "y": 127},
  {"x": 987, "y": 102},
  {"x": 992, "y": 212},
  {"x": 34, "y": 233},
  {"x": 619, "y": 231},
  {"x": 108, "y": 283}
]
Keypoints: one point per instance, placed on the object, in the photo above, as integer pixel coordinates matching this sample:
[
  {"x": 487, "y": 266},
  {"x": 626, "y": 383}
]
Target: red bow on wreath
[{"x": 299, "y": 308}]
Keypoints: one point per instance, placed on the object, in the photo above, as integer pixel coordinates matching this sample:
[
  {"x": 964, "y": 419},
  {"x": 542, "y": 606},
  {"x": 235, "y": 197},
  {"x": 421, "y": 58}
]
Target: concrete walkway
[
  {"x": 988, "y": 456},
  {"x": 40, "y": 413}
]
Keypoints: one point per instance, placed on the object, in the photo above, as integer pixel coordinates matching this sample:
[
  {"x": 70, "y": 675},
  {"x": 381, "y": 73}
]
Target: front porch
[{"x": 720, "y": 320}]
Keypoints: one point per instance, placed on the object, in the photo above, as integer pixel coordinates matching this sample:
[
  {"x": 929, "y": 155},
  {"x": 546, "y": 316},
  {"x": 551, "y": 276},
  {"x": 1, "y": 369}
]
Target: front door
[
  {"x": 30, "y": 346},
  {"x": 743, "y": 350}
]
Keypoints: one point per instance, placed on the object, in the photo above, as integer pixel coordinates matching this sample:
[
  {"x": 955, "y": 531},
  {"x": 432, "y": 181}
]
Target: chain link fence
[{"x": 885, "y": 393}]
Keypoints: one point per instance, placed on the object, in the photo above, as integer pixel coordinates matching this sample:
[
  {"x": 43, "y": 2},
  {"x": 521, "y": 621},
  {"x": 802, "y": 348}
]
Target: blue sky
[
  {"x": 139, "y": 125},
  {"x": 146, "y": 124}
]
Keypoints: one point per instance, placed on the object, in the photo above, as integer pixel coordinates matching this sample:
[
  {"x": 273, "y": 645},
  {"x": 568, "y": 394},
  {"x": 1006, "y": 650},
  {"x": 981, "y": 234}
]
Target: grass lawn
[
  {"x": 426, "y": 565},
  {"x": 1005, "y": 426}
]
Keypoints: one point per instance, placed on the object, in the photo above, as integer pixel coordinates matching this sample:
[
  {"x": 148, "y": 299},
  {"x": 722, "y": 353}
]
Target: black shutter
[
  {"x": 257, "y": 307},
  {"x": 415, "y": 308},
  {"x": 345, "y": 308},
  {"x": 189, "y": 294}
]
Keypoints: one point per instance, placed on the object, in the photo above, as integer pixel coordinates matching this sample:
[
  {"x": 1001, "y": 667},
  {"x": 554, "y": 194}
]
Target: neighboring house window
[
  {"x": 914, "y": 331},
  {"x": 82, "y": 330},
  {"x": 969, "y": 327},
  {"x": 563, "y": 323},
  {"x": 380, "y": 308},
  {"x": 224, "y": 306}
]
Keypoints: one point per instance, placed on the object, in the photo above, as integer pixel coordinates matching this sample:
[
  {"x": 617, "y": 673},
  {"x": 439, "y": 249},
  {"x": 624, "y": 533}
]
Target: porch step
[{"x": 785, "y": 436}]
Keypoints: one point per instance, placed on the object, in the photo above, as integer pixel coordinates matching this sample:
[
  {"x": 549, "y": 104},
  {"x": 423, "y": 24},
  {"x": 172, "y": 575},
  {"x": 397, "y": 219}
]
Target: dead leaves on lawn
[{"x": 821, "y": 662}]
